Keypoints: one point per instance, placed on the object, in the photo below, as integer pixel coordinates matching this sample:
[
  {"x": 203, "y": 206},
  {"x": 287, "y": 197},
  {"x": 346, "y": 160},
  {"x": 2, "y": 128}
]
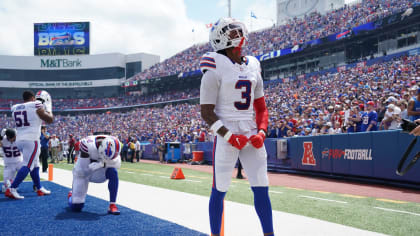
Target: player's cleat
[
  {"x": 6, "y": 186},
  {"x": 239, "y": 176},
  {"x": 42, "y": 191},
  {"x": 113, "y": 209},
  {"x": 12, "y": 193}
]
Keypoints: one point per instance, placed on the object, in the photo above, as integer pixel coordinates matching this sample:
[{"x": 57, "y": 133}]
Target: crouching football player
[
  {"x": 98, "y": 161},
  {"x": 13, "y": 158}
]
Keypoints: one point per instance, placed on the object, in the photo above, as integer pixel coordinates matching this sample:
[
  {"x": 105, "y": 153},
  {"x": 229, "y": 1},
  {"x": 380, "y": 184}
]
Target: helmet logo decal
[{"x": 108, "y": 150}]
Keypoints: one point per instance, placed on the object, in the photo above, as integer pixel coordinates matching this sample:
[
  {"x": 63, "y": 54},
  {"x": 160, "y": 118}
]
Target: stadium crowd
[
  {"x": 334, "y": 102},
  {"x": 295, "y": 31},
  {"x": 128, "y": 100},
  {"x": 322, "y": 104}
]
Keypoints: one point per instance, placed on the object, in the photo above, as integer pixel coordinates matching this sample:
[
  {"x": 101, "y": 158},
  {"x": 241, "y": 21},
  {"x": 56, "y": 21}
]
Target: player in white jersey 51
[
  {"x": 98, "y": 161},
  {"x": 231, "y": 95},
  {"x": 28, "y": 118},
  {"x": 12, "y": 157}
]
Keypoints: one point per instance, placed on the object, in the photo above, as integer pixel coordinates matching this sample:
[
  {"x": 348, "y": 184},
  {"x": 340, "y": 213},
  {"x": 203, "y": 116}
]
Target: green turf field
[{"x": 355, "y": 211}]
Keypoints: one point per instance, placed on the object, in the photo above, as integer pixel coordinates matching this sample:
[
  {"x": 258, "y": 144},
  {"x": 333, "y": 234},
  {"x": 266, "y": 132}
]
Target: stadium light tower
[{"x": 229, "y": 8}]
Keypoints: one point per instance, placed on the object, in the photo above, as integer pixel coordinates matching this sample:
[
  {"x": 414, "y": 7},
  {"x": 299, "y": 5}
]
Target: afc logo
[{"x": 308, "y": 155}]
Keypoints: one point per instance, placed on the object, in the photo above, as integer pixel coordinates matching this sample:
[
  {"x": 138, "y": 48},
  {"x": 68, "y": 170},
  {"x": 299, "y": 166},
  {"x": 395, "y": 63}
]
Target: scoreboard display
[{"x": 51, "y": 39}]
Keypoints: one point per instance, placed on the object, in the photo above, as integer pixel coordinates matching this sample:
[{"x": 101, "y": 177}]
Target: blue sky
[
  {"x": 211, "y": 11},
  {"x": 160, "y": 27}
]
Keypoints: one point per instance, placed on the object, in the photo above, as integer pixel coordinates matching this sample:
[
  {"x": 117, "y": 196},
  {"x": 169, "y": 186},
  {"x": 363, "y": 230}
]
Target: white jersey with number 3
[
  {"x": 232, "y": 87},
  {"x": 28, "y": 124}
]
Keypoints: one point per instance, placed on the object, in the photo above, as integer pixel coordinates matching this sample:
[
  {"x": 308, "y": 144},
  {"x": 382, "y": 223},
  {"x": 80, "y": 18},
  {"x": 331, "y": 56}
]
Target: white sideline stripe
[
  {"x": 189, "y": 180},
  {"x": 130, "y": 172},
  {"x": 322, "y": 199},
  {"x": 191, "y": 211},
  {"x": 164, "y": 177},
  {"x": 146, "y": 174},
  {"x": 274, "y": 191},
  {"x": 392, "y": 210}
]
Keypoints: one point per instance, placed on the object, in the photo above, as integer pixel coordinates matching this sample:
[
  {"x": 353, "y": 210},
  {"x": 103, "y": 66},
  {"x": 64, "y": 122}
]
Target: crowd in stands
[
  {"x": 328, "y": 103},
  {"x": 128, "y": 100},
  {"x": 296, "y": 31},
  {"x": 335, "y": 102}
]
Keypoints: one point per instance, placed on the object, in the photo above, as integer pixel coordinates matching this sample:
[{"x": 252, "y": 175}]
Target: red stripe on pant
[
  {"x": 214, "y": 164},
  {"x": 33, "y": 155}
]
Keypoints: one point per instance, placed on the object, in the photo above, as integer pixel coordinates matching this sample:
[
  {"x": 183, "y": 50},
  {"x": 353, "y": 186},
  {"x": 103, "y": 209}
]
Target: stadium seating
[
  {"x": 295, "y": 31},
  {"x": 305, "y": 104}
]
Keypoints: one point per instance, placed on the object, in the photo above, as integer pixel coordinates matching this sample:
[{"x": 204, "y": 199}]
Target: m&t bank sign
[{"x": 60, "y": 63}]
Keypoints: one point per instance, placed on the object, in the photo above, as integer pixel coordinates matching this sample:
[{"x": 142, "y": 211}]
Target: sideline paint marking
[
  {"x": 274, "y": 191},
  {"x": 353, "y": 196},
  {"x": 321, "y": 192},
  {"x": 406, "y": 212},
  {"x": 146, "y": 174},
  {"x": 159, "y": 172},
  {"x": 130, "y": 172},
  {"x": 165, "y": 177},
  {"x": 389, "y": 200},
  {"x": 294, "y": 188},
  {"x": 189, "y": 180},
  {"x": 322, "y": 199}
]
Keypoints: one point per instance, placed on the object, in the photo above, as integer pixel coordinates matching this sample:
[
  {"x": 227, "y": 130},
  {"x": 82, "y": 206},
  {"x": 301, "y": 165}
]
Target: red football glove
[
  {"x": 238, "y": 141},
  {"x": 257, "y": 140}
]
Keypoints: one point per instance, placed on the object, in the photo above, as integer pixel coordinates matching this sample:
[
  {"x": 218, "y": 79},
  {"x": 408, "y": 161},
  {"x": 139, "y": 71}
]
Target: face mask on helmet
[
  {"x": 43, "y": 96},
  {"x": 227, "y": 33}
]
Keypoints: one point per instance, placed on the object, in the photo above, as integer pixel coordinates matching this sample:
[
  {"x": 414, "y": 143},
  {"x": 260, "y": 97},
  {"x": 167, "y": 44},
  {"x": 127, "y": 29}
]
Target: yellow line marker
[
  {"x": 353, "y": 196},
  {"x": 389, "y": 200},
  {"x": 294, "y": 188},
  {"x": 321, "y": 192}
]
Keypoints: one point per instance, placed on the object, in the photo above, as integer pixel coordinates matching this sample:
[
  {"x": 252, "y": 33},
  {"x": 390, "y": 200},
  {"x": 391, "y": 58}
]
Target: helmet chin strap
[{"x": 239, "y": 47}]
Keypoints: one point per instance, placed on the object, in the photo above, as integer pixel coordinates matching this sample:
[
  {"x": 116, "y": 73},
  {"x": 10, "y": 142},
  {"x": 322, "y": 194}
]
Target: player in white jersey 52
[
  {"x": 231, "y": 95},
  {"x": 98, "y": 161},
  {"x": 12, "y": 157},
  {"x": 28, "y": 118}
]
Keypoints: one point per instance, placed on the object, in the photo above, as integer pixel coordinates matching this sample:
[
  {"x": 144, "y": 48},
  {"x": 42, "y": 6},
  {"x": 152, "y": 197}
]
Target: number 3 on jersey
[{"x": 245, "y": 94}]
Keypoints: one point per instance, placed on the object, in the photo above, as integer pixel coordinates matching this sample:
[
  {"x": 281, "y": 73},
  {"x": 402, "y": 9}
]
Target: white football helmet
[
  {"x": 45, "y": 98},
  {"x": 226, "y": 33},
  {"x": 110, "y": 148}
]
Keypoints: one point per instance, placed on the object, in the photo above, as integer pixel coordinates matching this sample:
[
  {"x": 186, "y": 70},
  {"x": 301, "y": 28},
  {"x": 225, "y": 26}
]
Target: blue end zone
[{"x": 50, "y": 215}]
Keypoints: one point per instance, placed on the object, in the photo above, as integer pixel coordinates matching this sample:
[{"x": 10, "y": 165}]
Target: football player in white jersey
[
  {"x": 98, "y": 161},
  {"x": 28, "y": 118},
  {"x": 231, "y": 95},
  {"x": 12, "y": 157}
]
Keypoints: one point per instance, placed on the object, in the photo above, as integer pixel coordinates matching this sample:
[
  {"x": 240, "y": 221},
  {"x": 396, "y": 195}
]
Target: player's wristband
[
  {"x": 263, "y": 132},
  {"x": 216, "y": 126},
  {"x": 227, "y": 136}
]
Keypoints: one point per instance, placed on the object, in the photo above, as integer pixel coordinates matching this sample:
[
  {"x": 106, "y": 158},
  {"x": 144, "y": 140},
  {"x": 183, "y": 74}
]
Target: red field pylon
[{"x": 177, "y": 174}]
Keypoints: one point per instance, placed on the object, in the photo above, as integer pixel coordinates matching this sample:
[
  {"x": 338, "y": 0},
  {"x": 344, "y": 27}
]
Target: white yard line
[
  {"x": 146, "y": 174},
  {"x": 191, "y": 211},
  {"x": 399, "y": 211},
  {"x": 190, "y": 180},
  {"x": 322, "y": 199},
  {"x": 271, "y": 191}
]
